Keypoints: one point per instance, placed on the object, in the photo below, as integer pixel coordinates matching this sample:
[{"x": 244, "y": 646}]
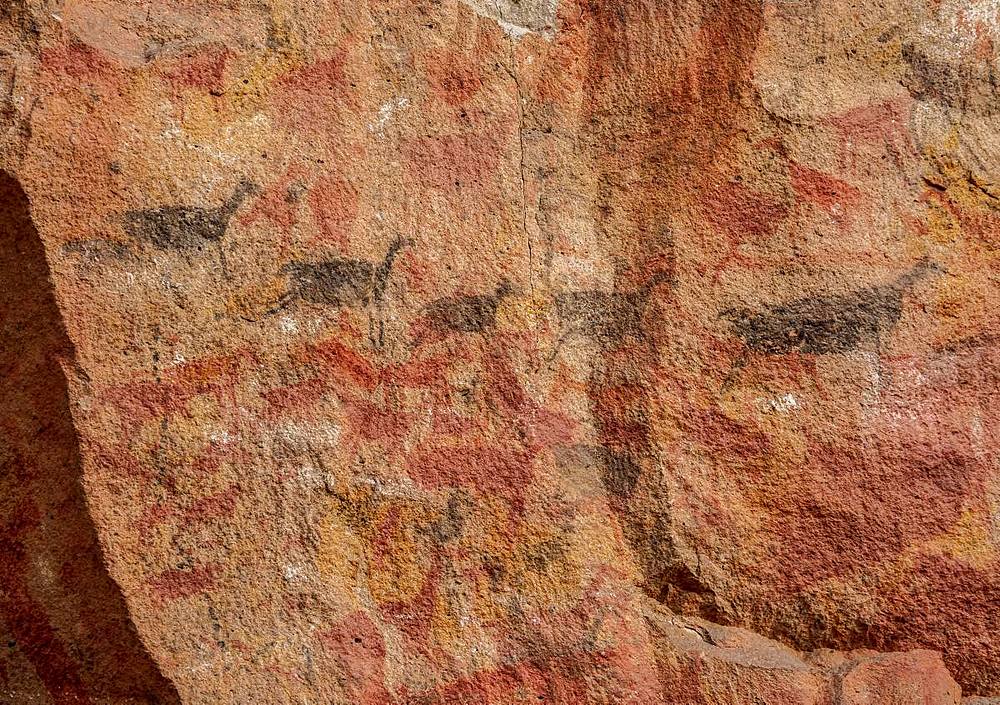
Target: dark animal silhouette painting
[
  {"x": 473, "y": 313},
  {"x": 822, "y": 325},
  {"x": 340, "y": 281},
  {"x": 187, "y": 228},
  {"x": 608, "y": 317}
]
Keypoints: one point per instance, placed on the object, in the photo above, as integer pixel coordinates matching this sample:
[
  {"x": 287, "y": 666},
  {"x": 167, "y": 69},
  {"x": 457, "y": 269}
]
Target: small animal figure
[
  {"x": 336, "y": 282},
  {"x": 186, "y": 227},
  {"x": 474, "y": 313},
  {"x": 340, "y": 281},
  {"x": 822, "y": 325},
  {"x": 931, "y": 79},
  {"x": 609, "y": 317}
]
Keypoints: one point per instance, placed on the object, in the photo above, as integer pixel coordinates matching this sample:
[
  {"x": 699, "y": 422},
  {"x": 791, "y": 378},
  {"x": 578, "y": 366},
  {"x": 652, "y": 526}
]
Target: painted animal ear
[
  {"x": 921, "y": 269},
  {"x": 399, "y": 244},
  {"x": 245, "y": 189},
  {"x": 926, "y": 264}
]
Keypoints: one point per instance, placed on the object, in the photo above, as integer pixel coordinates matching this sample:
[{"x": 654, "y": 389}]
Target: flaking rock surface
[{"x": 499, "y": 351}]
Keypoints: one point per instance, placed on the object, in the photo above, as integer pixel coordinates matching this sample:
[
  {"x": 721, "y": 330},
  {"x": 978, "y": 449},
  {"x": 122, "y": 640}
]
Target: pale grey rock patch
[{"x": 519, "y": 17}]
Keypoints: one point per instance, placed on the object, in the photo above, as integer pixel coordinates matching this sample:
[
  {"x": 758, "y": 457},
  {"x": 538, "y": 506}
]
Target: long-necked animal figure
[
  {"x": 822, "y": 325},
  {"x": 187, "y": 229}
]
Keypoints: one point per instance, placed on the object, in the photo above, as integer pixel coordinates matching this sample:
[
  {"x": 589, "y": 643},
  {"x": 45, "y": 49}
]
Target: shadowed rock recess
[
  {"x": 494, "y": 352},
  {"x": 65, "y": 627}
]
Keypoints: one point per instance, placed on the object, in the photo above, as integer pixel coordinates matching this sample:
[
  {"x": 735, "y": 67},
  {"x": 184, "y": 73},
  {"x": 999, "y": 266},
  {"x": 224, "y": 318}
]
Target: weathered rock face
[{"x": 480, "y": 352}]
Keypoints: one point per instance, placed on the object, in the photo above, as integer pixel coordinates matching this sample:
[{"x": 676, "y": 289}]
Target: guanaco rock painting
[{"x": 450, "y": 352}]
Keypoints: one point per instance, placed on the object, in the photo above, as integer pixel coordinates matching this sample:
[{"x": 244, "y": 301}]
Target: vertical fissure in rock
[{"x": 649, "y": 161}]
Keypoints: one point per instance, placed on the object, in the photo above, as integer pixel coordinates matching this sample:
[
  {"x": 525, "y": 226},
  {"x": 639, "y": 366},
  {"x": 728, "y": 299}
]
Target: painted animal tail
[{"x": 280, "y": 305}]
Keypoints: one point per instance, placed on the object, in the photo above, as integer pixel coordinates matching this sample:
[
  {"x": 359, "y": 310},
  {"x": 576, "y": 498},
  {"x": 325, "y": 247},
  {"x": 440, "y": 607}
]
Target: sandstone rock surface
[{"x": 475, "y": 351}]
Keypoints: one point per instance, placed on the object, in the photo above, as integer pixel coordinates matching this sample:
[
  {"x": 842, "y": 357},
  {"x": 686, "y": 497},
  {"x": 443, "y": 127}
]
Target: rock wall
[{"x": 496, "y": 352}]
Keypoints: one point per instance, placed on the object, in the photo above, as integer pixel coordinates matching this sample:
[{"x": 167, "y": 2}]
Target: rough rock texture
[
  {"x": 700, "y": 662},
  {"x": 499, "y": 351}
]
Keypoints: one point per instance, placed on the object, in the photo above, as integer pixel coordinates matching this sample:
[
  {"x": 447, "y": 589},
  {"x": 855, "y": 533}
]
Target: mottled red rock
[
  {"x": 451, "y": 351},
  {"x": 898, "y": 679},
  {"x": 701, "y": 662}
]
